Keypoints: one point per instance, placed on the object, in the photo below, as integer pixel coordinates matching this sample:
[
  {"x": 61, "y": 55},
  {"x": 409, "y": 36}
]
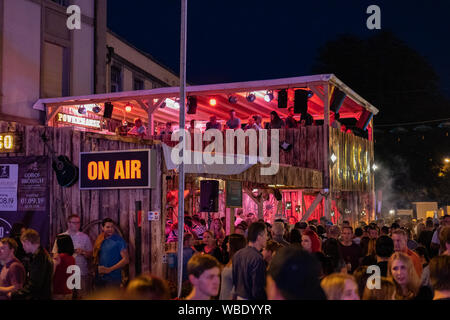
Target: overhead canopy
[{"x": 147, "y": 102}]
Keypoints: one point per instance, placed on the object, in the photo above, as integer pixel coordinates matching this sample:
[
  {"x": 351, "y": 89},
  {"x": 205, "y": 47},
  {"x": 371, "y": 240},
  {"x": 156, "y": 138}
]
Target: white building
[{"x": 41, "y": 58}]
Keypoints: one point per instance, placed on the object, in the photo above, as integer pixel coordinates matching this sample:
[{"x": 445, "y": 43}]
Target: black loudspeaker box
[
  {"x": 301, "y": 101},
  {"x": 192, "y": 105},
  {"x": 209, "y": 196},
  {"x": 108, "y": 110}
]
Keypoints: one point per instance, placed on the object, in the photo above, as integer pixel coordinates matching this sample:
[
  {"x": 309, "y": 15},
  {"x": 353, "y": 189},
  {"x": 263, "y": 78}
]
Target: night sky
[{"x": 230, "y": 40}]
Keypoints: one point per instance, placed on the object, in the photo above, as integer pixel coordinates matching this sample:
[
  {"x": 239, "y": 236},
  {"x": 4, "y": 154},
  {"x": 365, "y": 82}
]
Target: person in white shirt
[{"x": 83, "y": 251}]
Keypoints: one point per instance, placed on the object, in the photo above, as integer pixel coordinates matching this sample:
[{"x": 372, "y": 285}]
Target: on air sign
[{"x": 130, "y": 169}]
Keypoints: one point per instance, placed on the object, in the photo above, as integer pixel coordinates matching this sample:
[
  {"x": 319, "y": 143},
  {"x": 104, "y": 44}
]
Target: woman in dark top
[
  {"x": 275, "y": 121},
  {"x": 210, "y": 246}
]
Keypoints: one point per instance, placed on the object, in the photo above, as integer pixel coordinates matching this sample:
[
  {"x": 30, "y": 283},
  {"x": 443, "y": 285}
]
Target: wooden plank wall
[
  {"x": 353, "y": 168},
  {"x": 93, "y": 205},
  {"x": 306, "y": 151}
]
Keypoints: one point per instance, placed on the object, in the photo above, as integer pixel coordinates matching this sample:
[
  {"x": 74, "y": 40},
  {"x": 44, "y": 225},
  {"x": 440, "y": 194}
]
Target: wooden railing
[{"x": 306, "y": 149}]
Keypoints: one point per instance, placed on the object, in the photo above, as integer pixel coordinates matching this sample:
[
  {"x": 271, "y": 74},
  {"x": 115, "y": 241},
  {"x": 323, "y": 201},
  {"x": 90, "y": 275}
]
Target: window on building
[
  {"x": 116, "y": 79},
  {"x": 138, "y": 84},
  {"x": 64, "y": 3},
  {"x": 55, "y": 71}
]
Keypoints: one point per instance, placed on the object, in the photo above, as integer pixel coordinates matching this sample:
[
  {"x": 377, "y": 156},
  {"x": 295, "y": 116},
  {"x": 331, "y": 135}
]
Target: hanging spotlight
[
  {"x": 232, "y": 99},
  {"x": 251, "y": 97},
  {"x": 82, "y": 110},
  {"x": 96, "y": 109},
  {"x": 128, "y": 107},
  {"x": 212, "y": 102},
  {"x": 269, "y": 96}
]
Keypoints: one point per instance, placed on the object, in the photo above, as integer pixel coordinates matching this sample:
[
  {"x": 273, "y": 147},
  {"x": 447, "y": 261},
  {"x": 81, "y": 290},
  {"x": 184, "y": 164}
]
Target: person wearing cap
[{"x": 294, "y": 275}]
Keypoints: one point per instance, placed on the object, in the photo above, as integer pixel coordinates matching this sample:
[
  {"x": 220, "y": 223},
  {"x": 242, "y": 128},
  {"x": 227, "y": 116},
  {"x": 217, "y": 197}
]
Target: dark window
[
  {"x": 116, "y": 79},
  {"x": 64, "y": 3},
  {"x": 138, "y": 84}
]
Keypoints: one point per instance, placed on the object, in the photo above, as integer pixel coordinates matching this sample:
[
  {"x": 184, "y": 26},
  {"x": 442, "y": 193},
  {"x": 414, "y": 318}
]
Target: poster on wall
[
  {"x": 8, "y": 187},
  {"x": 28, "y": 185}
]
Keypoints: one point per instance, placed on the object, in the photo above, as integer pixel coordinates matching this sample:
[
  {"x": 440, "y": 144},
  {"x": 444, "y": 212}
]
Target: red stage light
[{"x": 213, "y": 102}]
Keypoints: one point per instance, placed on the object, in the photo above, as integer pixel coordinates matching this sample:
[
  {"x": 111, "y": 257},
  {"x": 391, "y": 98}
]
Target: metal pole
[{"x": 182, "y": 124}]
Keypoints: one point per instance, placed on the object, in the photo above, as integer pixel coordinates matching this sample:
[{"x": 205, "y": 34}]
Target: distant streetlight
[{"x": 447, "y": 160}]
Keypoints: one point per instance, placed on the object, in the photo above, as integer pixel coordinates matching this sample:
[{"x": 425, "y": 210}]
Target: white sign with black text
[{"x": 8, "y": 187}]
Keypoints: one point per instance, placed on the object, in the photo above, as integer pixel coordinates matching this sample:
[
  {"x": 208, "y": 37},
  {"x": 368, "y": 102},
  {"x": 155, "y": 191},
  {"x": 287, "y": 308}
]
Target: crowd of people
[
  {"x": 320, "y": 260},
  {"x": 258, "y": 261},
  {"x": 233, "y": 122}
]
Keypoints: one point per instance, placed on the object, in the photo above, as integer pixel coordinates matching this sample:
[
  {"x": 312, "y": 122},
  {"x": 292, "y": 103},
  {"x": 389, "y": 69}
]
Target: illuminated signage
[
  {"x": 67, "y": 118},
  {"x": 9, "y": 142},
  {"x": 127, "y": 169}
]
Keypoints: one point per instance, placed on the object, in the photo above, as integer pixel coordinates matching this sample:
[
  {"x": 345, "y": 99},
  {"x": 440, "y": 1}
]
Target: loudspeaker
[
  {"x": 209, "y": 196},
  {"x": 301, "y": 101},
  {"x": 364, "y": 120},
  {"x": 337, "y": 100},
  {"x": 108, "y": 110},
  {"x": 192, "y": 105},
  {"x": 282, "y": 98},
  {"x": 277, "y": 194}
]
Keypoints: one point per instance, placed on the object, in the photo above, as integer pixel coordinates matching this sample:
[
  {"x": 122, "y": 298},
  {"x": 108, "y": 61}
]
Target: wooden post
[
  {"x": 259, "y": 202},
  {"x": 326, "y": 151},
  {"x": 230, "y": 220},
  {"x": 157, "y": 228}
]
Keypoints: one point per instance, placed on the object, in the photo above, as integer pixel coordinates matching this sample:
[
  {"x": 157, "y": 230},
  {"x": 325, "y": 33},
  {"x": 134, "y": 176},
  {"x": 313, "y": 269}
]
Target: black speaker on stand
[
  {"x": 192, "y": 105},
  {"x": 209, "y": 196},
  {"x": 301, "y": 101},
  {"x": 282, "y": 98},
  {"x": 337, "y": 100},
  {"x": 107, "y": 114}
]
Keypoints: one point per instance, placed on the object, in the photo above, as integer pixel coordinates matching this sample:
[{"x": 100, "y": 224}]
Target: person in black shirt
[
  {"x": 351, "y": 252},
  {"x": 275, "y": 121},
  {"x": 249, "y": 269},
  {"x": 384, "y": 248},
  {"x": 38, "y": 285}
]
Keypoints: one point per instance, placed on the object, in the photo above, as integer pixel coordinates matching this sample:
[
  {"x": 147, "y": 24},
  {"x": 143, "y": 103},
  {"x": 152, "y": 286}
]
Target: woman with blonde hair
[
  {"x": 386, "y": 291},
  {"x": 407, "y": 282},
  {"x": 340, "y": 286},
  {"x": 218, "y": 230}
]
